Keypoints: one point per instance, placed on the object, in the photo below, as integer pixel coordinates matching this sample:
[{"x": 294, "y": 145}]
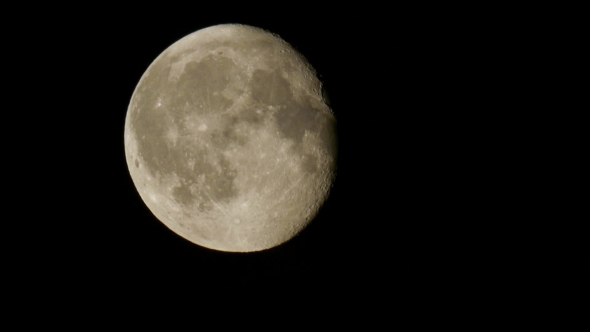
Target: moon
[{"x": 229, "y": 139}]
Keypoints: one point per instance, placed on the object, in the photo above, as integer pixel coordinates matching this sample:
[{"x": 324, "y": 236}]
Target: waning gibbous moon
[{"x": 229, "y": 140}]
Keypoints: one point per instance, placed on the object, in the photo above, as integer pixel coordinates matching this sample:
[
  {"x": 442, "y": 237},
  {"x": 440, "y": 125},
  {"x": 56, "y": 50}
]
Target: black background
[{"x": 458, "y": 189}]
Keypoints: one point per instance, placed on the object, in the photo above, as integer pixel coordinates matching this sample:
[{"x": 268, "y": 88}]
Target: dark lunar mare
[{"x": 294, "y": 117}]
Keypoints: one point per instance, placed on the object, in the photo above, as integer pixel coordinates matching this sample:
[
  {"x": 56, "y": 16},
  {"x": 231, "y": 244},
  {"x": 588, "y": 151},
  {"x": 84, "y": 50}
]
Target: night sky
[{"x": 457, "y": 195}]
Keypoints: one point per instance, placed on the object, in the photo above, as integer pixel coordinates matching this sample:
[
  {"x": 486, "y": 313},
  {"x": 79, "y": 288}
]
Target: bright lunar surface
[{"x": 229, "y": 141}]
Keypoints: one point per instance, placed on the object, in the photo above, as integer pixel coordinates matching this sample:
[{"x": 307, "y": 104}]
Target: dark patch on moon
[
  {"x": 201, "y": 84},
  {"x": 309, "y": 163},
  {"x": 222, "y": 183},
  {"x": 293, "y": 118},
  {"x": 254, "y": 115},
  {"x": 217, "y": 185},
  {"x": 205, "y": 205},
  {"x": 183, "y": 195},
  {"x": 269, "y": 88},
  {"x": 230, "y": 133},
  {"x": 219, "y": 178}
]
